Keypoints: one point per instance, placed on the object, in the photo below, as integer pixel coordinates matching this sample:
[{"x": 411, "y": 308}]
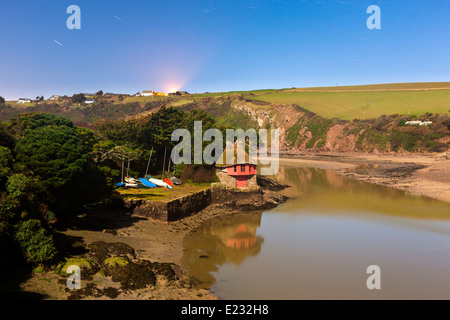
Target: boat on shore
[
  {"x": 157, "y": 182},
  {"x": 147, "y": 183}
]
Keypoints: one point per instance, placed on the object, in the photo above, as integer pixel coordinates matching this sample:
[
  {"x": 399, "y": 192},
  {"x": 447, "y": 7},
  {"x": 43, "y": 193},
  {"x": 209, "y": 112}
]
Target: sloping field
[{"x": 365, "y": 102}]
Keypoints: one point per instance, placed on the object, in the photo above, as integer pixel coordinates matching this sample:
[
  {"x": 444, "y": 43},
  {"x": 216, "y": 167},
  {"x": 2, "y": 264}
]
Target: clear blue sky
[{"x": 126, "y": 46}]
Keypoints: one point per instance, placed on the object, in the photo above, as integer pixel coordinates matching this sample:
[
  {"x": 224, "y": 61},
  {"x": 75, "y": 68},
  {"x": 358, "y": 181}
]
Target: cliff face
[{"x": 301, "y": 130}]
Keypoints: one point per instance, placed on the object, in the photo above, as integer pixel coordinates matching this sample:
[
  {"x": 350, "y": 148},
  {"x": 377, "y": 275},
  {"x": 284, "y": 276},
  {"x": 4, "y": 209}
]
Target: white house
[
  {"x": 23, "y": 100},
  {"x": 54, "y": 97},
  {"x": 418, "y": 123},
  {"x": 414, "y": 123},
  {"x": 89, "y": 101},
  {"x": 146, "y": 93}
]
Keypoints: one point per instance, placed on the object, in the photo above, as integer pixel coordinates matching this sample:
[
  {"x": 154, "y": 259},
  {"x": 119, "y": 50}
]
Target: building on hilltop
[
  {"x": 54, "y": 97},
  {"x": 23, "y": 100}
]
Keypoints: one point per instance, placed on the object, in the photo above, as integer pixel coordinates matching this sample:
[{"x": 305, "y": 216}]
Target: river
[{"x": 320, "y": 243}]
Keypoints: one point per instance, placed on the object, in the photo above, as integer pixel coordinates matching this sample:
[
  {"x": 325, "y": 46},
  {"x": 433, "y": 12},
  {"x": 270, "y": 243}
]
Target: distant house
[
  {"x": 237, "y": 174},
  {"x": 414, "y": 123},
  {"x": 89, "y": 101},
  {"x": 147, "y": 93},
  {"x": 23, "y": 100},
  {"x": 418, "y": 123},
  {"x": 54, "y": 97}
]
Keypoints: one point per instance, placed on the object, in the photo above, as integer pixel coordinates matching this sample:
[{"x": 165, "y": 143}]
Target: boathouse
[{"x": 237, "y": 174}]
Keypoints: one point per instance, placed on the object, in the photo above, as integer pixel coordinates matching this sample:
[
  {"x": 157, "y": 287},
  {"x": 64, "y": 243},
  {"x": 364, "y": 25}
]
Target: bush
[
  {"x": 198, "y": 173},
  {"x": 37, "y": 246}
]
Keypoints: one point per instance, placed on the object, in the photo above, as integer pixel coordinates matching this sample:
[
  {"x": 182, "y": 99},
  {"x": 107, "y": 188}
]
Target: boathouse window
[
  {"x": 235, "y": 168},
  {"x": 242, "y": 167}
]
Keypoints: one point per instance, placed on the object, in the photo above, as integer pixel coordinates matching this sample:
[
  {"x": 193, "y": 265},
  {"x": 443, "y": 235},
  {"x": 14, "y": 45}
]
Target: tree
[
  {"x": 2, "y": 100},
  {"x": 31, "y": 121},
  {"x": 36, "y": 244},
  {"x": 99, "y": 93},
  {"x": 157, "y": 132},
  {"x": 57, "y": 157},
  {"x": 78, "y": 98}
]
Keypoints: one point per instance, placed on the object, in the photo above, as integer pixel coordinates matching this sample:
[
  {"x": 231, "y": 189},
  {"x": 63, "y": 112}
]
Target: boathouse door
[{"x": 241, "y": 181}]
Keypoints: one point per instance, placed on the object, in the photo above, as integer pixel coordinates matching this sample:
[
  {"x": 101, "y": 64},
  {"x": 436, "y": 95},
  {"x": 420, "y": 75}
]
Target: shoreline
[
  {"x": 422, "y": 174},
  {"x": 159, "y": 241}
]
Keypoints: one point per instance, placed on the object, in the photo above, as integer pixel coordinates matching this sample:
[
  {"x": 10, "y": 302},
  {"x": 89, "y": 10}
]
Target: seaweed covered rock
[
  {"x": 99, "y": 251},
  {"x": 165, "y": 269},
  {"x": 131, "y": 275},
  {"x": 87, "y": 267}
]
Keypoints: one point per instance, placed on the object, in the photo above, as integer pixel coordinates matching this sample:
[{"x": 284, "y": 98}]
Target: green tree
[
  {"x": 5, "y": 165},
  {"x": 58, "y": 159},
  {"x": 2, "y": 100},
  {"x": 157, "y": 132},
  {"x": 78, "y": 98},
  {"x": 36, "y": 244},
  {"x": 26, "y": 121}
]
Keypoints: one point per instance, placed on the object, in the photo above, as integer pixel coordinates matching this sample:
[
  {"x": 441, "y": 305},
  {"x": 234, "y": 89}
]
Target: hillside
[
  {"x": 339, "y": 119},
  {"x": 363, "y": 102}
]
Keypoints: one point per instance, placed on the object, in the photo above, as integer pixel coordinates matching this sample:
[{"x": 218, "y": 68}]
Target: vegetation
[
  {"x": 46, "y": 175},
  {"x": 78, "y": 98}
]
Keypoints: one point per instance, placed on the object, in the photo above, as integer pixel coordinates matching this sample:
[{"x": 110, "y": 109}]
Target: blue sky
[{"x": 133, "y": 45}]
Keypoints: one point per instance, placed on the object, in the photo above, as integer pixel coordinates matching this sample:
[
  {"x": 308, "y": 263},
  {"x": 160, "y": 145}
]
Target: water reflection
[
  {"x": 326, "y": 191},
  {"x": 319, "y": 244},
  {"x": 229, "y": 239}
]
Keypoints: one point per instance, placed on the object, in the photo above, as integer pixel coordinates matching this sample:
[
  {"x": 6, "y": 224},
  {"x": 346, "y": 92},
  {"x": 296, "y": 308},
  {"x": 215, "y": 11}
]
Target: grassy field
[
  {"x": 162, "y": 194},
  {"x": 365, "y": 102},
  {"x": 345, "y": 102}
]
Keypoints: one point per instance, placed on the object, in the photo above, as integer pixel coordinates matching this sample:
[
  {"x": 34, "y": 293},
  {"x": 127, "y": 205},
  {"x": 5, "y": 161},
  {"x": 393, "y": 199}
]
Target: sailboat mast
[
  {"x": 164, "y": 163},
  {"x": 148, "y": 164}
]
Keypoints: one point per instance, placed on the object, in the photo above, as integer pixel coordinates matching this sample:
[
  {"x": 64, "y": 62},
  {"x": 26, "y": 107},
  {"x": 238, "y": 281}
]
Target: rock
[
  {"x": 134, "y": 276},
  {"x": 99, "y": 251},
  {"x": 267, "y": 183},
  {"x": 272, "y": 199},
  {"x": 164, "y": 269},
  {"x": 87, "y": 266}
]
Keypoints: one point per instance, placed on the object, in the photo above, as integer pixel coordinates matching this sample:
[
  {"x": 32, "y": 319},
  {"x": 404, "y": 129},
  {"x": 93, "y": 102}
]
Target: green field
[
  {"x": 364, "y": 102},
  {"x": 345, "y": 102},
  {"x": 364, "y": 105}
]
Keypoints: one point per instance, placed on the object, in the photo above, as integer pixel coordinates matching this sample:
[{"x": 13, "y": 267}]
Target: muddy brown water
[{"x": 319, "y": 244}]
